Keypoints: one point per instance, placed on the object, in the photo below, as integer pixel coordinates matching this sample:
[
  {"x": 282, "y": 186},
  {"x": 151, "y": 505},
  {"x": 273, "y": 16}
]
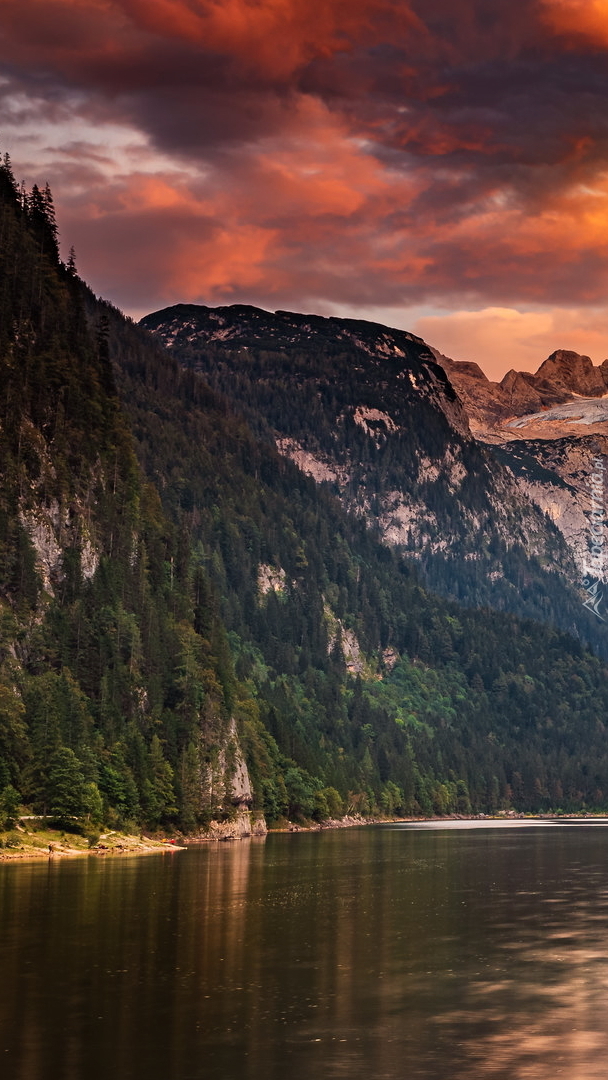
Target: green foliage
[
  {"x": 92, "y": 803},
  {"x": 302, "y": 801},
  {"x": 65, "y": 791},
  {"x": 335, "y": 804},
  {"x": 164, "y": 574},
  {"x": 10, "y": 801},
  {"x": 158, "y": 794}
]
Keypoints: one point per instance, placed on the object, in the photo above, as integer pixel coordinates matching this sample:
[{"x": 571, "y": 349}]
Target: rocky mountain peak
[
  {"x": 563, "y": 379},
  {"x": 573, "y": 373},
  {"x": 548, "y": 427}
]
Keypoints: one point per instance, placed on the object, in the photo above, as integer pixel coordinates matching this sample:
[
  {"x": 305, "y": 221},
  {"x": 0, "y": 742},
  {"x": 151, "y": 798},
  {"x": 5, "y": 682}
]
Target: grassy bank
[{"x": 42, "y": 842}]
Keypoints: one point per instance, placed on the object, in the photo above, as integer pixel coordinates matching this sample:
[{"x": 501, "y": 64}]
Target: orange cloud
[
  {"x": 499, "y": 339},
  {"x": 578, "y": 19},
  {"x": 273, "y": 37},
  {"x": 299, "y": 154},
  {"x": 233, "y": 260},
  {"x": 277, "y": 36},
  {"x": 281, "y": 226}
]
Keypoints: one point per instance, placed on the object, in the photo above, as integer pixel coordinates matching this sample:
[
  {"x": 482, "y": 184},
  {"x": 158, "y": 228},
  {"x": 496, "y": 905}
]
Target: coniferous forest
[{"x": 175, "y": 596}]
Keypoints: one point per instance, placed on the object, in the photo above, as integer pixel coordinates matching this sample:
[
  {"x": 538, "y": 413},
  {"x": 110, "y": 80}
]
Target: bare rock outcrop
[
  {"x": 571, "y": 373},
  {"x": 239, "y": 827},
  {"x": 563, "y": 377}
]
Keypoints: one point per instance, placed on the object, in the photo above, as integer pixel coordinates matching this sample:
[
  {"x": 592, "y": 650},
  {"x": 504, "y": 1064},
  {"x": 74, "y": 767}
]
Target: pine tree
[{"x": 65, "y": 785}]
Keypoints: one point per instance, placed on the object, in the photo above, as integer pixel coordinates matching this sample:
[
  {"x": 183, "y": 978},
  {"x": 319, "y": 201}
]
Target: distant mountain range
[
  {"x": 548, "y": 428},
  {"x": 564, "y": 397}
]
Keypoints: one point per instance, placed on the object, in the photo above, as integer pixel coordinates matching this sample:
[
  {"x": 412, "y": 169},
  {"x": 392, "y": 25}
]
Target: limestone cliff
[
  {"x": 548, "y": 428},
  {"x": 555, "y": 474}
]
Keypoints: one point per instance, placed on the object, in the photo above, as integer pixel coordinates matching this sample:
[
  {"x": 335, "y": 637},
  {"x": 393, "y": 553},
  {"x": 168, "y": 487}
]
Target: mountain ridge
[
  {"x": 491, "y": 407},
  {"x": 376, "y": 419},
  {"x": 190, "y": 625}
]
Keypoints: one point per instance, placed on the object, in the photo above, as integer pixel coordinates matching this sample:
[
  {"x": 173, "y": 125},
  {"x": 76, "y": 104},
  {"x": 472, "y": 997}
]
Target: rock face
[
  {"x": 51, "y": 530},
  {"x": 571, "y": 373},
  {"x": 244, "y": 824},
  {"x": 549, "y": 428},
  {"x": 228, "y": 784},
  {"x": 227, "y": 778},
  {"x": 556, "y": 474},
  {"x": 492, "y": 407}
]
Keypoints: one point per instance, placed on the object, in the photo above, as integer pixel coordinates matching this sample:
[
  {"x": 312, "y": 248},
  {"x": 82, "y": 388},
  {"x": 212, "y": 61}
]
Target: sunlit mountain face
[
  {"x": 434, "y": 166},
  {"x": 567, "y": 395},
  {"x": 551, "y": 430}
]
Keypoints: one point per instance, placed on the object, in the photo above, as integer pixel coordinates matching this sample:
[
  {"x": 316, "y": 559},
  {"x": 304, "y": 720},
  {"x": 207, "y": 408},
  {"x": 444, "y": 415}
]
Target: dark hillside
[
  {"x": 367, "y": 411},
  {"x": 175, "y": 593}
]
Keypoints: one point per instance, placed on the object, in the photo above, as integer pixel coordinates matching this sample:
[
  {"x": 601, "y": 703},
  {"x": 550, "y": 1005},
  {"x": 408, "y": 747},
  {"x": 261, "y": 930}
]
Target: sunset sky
[{"x": 440, "y": 165}]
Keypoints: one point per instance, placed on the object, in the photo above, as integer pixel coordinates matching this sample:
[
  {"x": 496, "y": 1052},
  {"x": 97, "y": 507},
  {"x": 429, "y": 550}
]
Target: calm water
[{"x": 389, "y": 952}]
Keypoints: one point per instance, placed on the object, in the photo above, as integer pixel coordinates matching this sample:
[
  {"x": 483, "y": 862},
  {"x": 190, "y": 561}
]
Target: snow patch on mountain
[{"x": 580, "y": 411}]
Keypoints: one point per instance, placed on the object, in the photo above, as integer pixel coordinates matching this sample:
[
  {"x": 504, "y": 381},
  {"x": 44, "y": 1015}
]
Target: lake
[{"x": 398, "y": 952}]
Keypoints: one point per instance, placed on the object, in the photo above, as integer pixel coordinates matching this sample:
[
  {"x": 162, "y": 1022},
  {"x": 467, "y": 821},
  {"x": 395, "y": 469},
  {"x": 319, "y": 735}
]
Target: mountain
[
  {"x": 102, "y": 667},
  {"x": 367, "y": 412},
  {"x": 558, "y": 474},
  {"x": 549, "y": 429},
  {"x": 190, "y": 625},
  {"x": 564, "y": 397}
]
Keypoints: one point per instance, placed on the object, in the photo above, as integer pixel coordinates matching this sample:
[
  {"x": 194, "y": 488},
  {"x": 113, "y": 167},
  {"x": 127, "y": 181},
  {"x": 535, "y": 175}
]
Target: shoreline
[
  {"x": 350, "y": 822},
  {"x": 114, "y": 844}
]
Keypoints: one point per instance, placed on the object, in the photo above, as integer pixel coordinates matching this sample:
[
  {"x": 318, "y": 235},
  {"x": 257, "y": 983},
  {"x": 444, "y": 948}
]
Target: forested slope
[
  {"x": 98, "y": 715},
  {"x": 175, "y": 593},
  {"x": 367, "y": 411}
]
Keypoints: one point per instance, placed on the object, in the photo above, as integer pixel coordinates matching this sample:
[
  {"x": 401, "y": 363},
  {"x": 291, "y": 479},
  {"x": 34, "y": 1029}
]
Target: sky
[{"x": 437, "y": 165}]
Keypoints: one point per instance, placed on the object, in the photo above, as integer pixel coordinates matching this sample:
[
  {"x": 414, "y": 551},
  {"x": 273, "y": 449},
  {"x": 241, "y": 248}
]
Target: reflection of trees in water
[{"x": 365, "y": 954}]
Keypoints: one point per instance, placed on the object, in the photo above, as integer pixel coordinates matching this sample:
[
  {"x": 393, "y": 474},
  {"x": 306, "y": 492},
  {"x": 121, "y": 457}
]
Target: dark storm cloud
[{"x": 366, "y": 152}]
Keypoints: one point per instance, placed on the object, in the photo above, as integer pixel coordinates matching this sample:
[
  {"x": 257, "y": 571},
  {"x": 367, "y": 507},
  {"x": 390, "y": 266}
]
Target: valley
[{"x": 256, "y": 567}]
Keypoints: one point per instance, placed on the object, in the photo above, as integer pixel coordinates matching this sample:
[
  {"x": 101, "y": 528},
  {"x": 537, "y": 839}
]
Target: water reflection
[{"x": 382, "y": 953}]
